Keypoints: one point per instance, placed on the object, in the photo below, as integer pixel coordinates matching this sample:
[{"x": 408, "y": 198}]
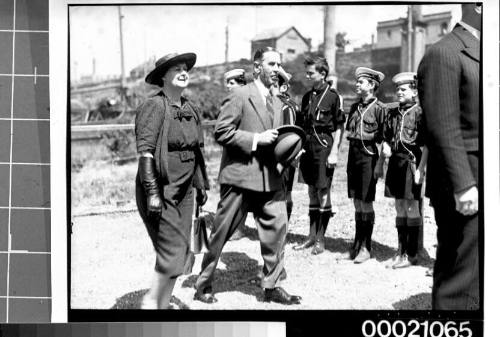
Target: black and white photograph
[{"x": 285, "y": 156}]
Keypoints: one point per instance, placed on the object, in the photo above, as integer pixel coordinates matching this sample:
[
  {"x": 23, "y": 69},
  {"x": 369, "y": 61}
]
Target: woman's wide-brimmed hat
[{"x": 162, "y": 65}]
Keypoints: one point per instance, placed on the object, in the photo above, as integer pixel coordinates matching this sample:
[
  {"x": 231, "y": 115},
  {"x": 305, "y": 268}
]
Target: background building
[
  {"x": 391, "y": 33},
  {"x": 287, "y": 40}
]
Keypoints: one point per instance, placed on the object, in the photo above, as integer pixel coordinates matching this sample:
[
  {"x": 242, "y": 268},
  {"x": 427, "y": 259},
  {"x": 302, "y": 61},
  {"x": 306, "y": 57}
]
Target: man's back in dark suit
[{"x": 449, "y": 92}]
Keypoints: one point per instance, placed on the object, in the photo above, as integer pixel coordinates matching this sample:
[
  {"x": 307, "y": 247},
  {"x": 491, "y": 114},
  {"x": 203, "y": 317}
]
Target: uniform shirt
[
  {"x": 372, "y": 126},
  {"x": 327, "y": 117},
  {"x": 404, "y": 125}
]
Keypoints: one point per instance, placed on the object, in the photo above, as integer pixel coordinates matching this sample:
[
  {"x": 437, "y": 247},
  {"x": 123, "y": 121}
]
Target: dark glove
[
  {"x": 147, "y": 176},
  {"x": 201, "y": 196}
]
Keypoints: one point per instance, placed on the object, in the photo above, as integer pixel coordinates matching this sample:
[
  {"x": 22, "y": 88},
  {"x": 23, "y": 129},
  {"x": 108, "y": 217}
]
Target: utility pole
[
  {"x": 226, "y": 56},
  {"x": 122, "y": 62},
  {"x": 329, "y": 41},
  {"x": 409, "y": 36}
]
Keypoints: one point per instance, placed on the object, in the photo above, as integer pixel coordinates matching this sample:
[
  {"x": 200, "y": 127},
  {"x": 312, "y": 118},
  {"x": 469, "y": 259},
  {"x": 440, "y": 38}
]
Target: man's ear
[{"x": 256, "y": 67}]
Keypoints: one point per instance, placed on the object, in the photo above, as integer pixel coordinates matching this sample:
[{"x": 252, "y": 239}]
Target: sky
[{"x": 156, "y": 30}]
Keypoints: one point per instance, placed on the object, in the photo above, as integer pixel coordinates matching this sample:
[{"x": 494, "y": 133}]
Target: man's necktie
[{"x": 269, "y": 106}]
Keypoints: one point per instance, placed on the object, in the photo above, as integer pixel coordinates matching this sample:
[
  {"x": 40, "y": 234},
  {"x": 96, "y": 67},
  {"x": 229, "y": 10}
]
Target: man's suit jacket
[
  {"x": 244, "y": 113},
  {"x": 448, "y": 87}
]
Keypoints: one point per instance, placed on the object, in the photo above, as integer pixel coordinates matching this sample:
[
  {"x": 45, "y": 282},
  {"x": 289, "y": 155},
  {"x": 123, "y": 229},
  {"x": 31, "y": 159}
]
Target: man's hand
[
  {"x": 267, "y": 137},
  {"x": 332, "y": 160},
  {"x": 386, "y": 150},
  {"x": 466, "y": 202},
  {"x": 201, "y": 196}
]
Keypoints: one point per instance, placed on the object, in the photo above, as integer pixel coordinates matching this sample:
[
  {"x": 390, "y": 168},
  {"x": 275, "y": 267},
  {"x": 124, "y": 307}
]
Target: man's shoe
[
  {"x": 363, "y": 255},
  {"x": 319, "y": 247},
  {"x": 206, "y": 296},
  {"x": 304, "y": 245},
  {"x": 238, "y": 234},
  {"x": 279, "y": 295}
]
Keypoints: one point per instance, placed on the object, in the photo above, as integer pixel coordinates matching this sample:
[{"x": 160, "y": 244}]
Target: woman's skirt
[{"x": 170, "y": 232}]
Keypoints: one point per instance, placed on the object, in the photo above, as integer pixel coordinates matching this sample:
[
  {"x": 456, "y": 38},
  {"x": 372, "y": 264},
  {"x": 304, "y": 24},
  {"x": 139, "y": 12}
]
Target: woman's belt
[{"x": 185, "y": 154}]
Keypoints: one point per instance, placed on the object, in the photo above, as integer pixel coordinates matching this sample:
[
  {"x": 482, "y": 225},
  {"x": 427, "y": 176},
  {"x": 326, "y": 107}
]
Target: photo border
[{"x": 61, "y": 191}]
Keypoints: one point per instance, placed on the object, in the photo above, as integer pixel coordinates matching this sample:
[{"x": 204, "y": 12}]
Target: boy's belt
[{"x": 356, "y": 141}]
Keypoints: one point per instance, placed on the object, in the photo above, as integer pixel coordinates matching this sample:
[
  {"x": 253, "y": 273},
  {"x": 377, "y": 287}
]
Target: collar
[
  {"x": 320, "y": 88},
  {"x": 264, "y": 92},
  {"x": 475, "y": 32},
  {"x": 363, "y": 104},
  {"x": 183, "y": 99},
  {"x": 402, "y": 108}
]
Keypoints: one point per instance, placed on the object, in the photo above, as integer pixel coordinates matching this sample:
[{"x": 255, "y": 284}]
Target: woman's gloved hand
[{"x": 147, "y": 176}]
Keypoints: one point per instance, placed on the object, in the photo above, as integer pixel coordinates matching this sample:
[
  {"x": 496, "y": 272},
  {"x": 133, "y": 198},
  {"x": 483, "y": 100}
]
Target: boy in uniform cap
[
  {"x": 403, "y": 143},
  {"x": 365, "y": 125},
  {"x": 289, "y": 110},
  {"x": 322, "y": 119},
  {"x": 234, "y": 78}
]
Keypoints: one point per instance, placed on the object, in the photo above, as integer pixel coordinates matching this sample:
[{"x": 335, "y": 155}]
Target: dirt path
[{"x": 112, "y": 259}]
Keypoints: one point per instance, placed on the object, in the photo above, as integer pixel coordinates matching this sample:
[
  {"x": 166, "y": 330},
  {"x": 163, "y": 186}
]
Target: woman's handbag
[{"x": 199, "y": 236}]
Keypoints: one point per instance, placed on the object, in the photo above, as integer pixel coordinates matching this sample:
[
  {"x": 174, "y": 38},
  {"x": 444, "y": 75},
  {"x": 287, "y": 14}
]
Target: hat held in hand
[{"x": 290, "y": 141}]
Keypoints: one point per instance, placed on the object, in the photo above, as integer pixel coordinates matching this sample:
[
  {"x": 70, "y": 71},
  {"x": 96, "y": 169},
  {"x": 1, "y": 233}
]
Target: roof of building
[{"x": 276, "y": 33}]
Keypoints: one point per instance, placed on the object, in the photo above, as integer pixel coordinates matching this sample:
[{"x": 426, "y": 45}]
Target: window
[
  {"x": 290, "y": 51},
  {"x": 389, "y": 34}
]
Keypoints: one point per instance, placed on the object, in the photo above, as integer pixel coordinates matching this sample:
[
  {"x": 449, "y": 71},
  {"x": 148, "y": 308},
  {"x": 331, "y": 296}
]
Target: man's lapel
[
  {"x": 259, "y": 106},
  {"x": 471, "y": 44}
]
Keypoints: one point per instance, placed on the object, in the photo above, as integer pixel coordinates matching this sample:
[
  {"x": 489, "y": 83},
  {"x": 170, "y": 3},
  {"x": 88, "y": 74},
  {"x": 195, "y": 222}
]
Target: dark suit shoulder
[{"x": 448, "y": 44}]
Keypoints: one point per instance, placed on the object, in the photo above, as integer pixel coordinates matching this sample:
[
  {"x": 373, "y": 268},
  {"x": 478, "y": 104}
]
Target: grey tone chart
[{"x": 25, "y": 209}]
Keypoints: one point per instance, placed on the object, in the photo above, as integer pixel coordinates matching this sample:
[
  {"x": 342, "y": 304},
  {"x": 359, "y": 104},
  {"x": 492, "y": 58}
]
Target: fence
[{"x": 116, "y": 142}]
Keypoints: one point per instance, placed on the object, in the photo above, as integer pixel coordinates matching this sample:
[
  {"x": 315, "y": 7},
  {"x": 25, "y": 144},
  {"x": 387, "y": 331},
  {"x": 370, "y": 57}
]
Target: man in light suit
[
  {"x": 448, "y": 86},
  {"x": 250, "y": 181}
]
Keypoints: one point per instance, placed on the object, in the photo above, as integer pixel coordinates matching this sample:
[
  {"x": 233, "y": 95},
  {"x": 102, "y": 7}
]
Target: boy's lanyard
[
  {"x": 362, "y": 113},
  {"x": 412, "y": 156},
  {"x": 320, "y": 141}
]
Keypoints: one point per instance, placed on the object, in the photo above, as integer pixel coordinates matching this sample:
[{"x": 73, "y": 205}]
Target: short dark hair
[
  {"x": 320, "y": 64},
  {"x": 259, "y": 53},
  {"x": 376, "y": 84}
]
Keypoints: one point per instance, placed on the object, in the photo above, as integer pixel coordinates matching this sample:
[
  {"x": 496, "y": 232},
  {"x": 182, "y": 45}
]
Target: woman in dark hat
[{"x": 169, "y": 140}]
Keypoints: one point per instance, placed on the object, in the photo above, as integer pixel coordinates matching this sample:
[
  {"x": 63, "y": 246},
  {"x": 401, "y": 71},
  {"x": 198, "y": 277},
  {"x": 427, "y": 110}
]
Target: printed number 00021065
[{"x": 414, "y": 328}]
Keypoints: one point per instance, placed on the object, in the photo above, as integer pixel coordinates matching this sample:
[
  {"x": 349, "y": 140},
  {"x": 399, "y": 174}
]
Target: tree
[{"x": 340, "y": 41}]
